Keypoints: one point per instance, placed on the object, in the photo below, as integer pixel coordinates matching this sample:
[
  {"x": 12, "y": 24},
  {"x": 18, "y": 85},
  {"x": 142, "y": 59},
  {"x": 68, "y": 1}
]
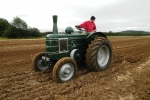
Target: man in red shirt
[{"x": 89, "y": 26}]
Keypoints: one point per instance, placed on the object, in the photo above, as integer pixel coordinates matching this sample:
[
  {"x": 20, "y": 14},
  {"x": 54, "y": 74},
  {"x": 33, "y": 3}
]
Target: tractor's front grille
[{"x": 63, "y": 45}]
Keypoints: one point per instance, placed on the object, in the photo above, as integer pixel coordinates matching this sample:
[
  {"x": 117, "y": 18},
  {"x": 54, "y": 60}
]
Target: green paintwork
[
  {"x": 75, "y": 41},
  {"x": 69, "y": 30},
  {"x": 55, "y": 29}
]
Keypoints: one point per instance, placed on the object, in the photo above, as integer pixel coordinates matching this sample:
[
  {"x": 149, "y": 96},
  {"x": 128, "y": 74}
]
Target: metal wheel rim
[
  {"x": 66, "y": 71},
  {"x": 103, "y": 56},
  {"x": 39, "y": 64}
]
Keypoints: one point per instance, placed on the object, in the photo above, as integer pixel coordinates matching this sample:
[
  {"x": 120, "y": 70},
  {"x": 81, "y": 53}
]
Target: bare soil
[{"x": 127, "y": 78}]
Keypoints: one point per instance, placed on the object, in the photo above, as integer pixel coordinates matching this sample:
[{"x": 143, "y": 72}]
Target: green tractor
[{"x": 65, "y": 51}]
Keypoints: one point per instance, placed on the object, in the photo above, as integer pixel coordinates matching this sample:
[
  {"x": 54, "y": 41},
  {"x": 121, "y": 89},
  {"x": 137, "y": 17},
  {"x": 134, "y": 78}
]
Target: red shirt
[{"x": 88, "y": 26}]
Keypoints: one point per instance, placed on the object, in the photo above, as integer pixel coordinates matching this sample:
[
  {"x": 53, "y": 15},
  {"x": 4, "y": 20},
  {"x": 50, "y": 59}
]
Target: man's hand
[
  {"x": 77, "y": 26},
  {"x": 94, "y": 30}
]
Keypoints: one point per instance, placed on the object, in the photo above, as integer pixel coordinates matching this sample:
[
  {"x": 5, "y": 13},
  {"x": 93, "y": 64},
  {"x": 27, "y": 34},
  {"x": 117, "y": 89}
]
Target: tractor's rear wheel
[
  {"x": 99, "y": 54},
  {"x": 39, "y": 63},
  {"x": 64, "y": 69}
]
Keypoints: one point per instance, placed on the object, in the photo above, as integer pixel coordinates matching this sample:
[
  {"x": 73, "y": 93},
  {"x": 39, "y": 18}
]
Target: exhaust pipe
[{"x": 55, "y": 29}]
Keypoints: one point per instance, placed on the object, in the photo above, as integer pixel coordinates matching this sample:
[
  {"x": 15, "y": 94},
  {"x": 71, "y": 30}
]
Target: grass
[{"x": 2, "y": 39}]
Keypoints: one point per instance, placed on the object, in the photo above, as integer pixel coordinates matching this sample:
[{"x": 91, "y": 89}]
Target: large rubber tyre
[
  {"x": 37, "y": 62},
  {"x": 64, "y": 69},
  {"x": 99, "y": 54}
]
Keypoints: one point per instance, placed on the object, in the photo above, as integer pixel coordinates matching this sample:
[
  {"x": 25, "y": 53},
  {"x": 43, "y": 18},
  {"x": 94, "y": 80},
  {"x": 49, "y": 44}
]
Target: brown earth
[{"x": 127, "y": 78}]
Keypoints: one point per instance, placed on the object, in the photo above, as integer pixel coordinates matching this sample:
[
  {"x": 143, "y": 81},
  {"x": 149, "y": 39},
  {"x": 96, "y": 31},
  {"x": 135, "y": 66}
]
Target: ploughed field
[{"x": 127, "y": 78}]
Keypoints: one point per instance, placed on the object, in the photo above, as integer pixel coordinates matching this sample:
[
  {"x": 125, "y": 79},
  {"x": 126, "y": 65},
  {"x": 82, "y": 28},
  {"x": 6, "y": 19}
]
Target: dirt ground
[{"x": 127, "y": 78}]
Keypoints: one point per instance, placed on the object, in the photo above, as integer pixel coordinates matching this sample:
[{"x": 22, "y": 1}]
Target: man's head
[{"x": 92, "y": 18}]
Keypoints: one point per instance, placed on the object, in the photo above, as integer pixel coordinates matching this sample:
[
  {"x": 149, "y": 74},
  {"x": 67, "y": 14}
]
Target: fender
[{"x": 92, "y": 36}]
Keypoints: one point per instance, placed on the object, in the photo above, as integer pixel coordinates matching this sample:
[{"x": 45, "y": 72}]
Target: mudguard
[{"x": 92, "y": 36}]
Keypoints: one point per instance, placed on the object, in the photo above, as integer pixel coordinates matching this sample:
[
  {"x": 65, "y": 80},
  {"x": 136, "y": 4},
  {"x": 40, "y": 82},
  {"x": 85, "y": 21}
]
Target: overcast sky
[{"x": 111, "y": 15}]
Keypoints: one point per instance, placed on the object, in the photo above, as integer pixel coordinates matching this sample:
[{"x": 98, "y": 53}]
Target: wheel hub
[
  {"x": 103, "y": 56},
  {"x": 41, "y": 64},
  {"x": 66, "y": 71}
]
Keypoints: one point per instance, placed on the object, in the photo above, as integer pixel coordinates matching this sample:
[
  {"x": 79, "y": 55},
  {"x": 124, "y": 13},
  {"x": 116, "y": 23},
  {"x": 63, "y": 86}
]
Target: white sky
[{"x": 111, "y": 15}]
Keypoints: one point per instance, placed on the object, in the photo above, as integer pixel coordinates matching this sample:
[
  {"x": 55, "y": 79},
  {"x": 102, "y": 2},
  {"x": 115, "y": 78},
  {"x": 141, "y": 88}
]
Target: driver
[{"x": 89, "y": 25}]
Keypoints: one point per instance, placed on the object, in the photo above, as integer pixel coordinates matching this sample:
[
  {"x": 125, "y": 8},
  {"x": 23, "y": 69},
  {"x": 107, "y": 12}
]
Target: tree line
[
  {"x": 17, "y": 29},
  {"x": 128, "y": 33}
]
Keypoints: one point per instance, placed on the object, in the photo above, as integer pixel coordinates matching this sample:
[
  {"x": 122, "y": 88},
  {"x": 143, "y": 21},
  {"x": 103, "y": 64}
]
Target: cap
[{"x": 93, "y": 18}]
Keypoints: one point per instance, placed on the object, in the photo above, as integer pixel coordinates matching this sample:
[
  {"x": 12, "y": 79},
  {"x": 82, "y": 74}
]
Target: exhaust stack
[{"x": 55, "y": 29}]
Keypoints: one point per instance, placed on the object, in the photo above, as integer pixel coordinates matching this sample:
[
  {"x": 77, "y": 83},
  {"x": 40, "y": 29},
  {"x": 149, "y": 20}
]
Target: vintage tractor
[{"x": 64, "y": 51}]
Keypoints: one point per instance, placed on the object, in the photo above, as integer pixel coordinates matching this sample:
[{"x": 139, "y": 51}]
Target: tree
[
  {"x": 18, "y": 29},
  {"x": 11, "y": 32},
  {"x": 34, "y": 32},
  {"x": 19, "y": 23},
  {"x": 110, "y": 33},
  {"x": 3, "y": 25}
]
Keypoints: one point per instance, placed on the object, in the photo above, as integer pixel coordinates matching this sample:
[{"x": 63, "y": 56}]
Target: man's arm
[
  {"x": 83, "y": 25},
  {"x": 94, "y": 28}
]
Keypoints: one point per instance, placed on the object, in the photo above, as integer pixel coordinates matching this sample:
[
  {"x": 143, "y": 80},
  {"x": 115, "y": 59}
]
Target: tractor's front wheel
[
  {"x": 39, "y": 63},
  {"x": 64, "y": 69},
  {"x": 99, "y": 54}
]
